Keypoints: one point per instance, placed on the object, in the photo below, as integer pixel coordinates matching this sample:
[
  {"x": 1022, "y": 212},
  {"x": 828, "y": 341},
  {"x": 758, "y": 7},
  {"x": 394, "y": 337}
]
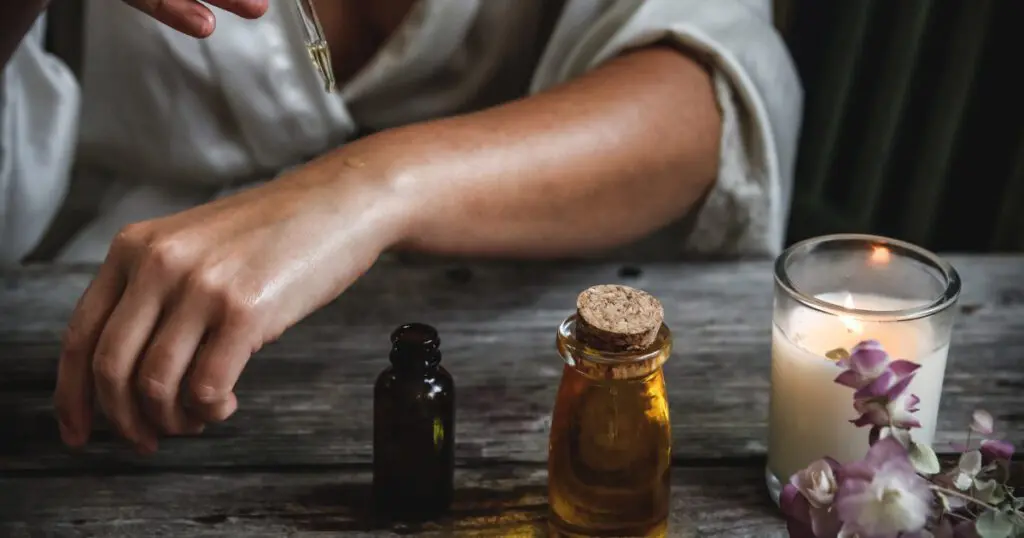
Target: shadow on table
[{"x": 348, "y": 507}]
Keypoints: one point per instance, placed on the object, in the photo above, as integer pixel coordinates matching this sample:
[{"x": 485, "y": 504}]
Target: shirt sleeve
[
  {"x": 39, "y": 99},
  {"x": 758, "y": 91}
]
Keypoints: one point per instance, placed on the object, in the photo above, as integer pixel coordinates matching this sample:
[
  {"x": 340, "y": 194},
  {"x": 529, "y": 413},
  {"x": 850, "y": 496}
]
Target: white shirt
[{"x": 162, "y": 121}]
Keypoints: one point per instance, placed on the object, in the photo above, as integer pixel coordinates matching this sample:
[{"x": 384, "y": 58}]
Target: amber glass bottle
[
  {"x": 414, "y": 428},
  {"x": 609, "y": 453}
]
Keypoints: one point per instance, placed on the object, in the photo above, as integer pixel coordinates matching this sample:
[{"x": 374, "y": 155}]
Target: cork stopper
[{"x": 614, "y": 318}]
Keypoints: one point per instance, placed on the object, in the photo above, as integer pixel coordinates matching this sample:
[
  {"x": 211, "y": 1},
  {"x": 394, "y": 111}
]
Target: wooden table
[{"x": 295, "y": 459}]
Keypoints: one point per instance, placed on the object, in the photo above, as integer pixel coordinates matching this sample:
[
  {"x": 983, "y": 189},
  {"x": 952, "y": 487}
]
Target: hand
[
  {"x": 162, "y": 333},
  {"x": 192, "y": 17}
]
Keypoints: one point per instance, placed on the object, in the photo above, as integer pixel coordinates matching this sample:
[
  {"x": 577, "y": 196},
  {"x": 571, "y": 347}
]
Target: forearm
[
  {"x": 16, "y": 18},
  {"x": 598, "y": 162}
]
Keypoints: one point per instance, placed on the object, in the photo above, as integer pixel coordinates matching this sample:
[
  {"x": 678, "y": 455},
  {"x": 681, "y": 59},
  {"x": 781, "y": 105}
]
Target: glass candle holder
[{"x": 833, "y": 292}]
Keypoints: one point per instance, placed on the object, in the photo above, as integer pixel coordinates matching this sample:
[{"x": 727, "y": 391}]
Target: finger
[
  {"x": 126, "y": 333},
  {"x": 250, "y": 9},
  {"x": 73, "y": 394},
  {"x": 186, "y": 16},
  {"x": 164, "y": 365},
  {"x": 216, "y": 370}
]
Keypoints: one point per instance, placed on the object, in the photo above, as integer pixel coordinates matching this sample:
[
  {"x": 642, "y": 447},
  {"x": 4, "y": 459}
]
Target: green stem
[
  {"x": 1016, "y": 514},
  {"x": 968, "y": 498}
]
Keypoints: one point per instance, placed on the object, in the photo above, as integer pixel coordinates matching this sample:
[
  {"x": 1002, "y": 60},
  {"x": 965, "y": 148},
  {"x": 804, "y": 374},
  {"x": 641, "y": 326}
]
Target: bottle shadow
[{"x": 348, "y": 507}]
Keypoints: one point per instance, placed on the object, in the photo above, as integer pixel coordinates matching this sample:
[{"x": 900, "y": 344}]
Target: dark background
[{"x": 914, "y": 120}]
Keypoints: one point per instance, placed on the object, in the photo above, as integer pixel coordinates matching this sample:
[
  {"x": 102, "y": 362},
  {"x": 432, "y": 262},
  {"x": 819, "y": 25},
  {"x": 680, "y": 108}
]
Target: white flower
[
  {"x": 817, "y": 483},
  {"x": 883, "y": 496}
]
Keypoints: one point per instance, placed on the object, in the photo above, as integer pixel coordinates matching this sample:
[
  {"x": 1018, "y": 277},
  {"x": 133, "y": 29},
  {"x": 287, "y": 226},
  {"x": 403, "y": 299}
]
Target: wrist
[{"x": 378, "y": 196}]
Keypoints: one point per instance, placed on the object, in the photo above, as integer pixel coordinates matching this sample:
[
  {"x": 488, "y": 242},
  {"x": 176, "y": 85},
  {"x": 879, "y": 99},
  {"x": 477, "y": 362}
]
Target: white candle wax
[{"x": 809, "y": 413}]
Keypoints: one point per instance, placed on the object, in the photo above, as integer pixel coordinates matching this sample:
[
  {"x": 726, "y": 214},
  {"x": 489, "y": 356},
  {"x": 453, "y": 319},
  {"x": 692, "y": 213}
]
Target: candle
[
  {"x": 809, "y": 412},
  {"x": 835, "y": 292}
]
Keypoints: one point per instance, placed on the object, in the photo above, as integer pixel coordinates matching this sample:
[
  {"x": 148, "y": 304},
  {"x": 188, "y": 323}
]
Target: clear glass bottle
[
  {"x": 609, "y": 453},
  {"x": 414, "y": 429}
]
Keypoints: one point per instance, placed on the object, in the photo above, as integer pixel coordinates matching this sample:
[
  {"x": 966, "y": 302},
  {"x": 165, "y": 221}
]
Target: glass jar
[
  {"x": 831, "y": 293},
  {"x": 609, "y": 453}
]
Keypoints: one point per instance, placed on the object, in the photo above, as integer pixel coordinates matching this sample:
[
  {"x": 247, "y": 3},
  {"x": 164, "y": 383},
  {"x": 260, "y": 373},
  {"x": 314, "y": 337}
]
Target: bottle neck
[{"x": 417, "y": 361}]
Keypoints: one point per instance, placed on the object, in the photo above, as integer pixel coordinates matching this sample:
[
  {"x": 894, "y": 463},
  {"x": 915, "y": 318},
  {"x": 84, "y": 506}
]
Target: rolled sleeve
[{"x": 758, "y": 91}]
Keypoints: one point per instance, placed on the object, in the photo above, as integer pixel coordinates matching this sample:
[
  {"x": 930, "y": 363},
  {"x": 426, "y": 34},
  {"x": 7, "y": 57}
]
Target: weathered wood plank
[
  {"x": 496, "y": 501},
  {"x": 307, "y": 399}
]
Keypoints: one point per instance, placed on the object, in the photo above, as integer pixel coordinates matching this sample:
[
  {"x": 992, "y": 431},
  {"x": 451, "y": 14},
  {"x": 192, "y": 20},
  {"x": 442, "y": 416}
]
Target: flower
[
  {"x": 882, "y": 496},
  {"x": 867, "y": 362},
  {"x": 807, "y": 500},
  {"x": 817, "y": 483},
  {"x": 992, "y": 450},
  {"x": 893, "y": 407},
  {"x": 981, "y": 422}
]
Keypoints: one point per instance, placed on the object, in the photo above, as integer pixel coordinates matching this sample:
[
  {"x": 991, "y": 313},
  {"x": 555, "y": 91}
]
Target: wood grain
[
  {"x": 306, "y": 400},
  {"x": 506, "y": 500}
]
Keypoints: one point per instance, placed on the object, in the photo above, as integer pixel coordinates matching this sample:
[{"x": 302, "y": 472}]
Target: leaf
[
  {"x": 923, "y": 458},
  {"x": 962, "y": 481},
  {"x": 970, "y": 463},
  {"x": 988, "y": 491},
  {"x": 994, "y": 525},
  {"x": 837, "y": 354}
]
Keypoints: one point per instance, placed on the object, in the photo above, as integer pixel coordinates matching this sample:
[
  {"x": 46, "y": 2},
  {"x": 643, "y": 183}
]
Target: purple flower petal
[
  {"x": 868, "y": 361},
  {"x": 912, "y": 402},
  {"x": 993, "y": 450},
  {"x": 866, "y": 344},
  {"x": 898, "y": 388},
  {"x": 825, "y": 522},
  {"x": 848, "y": 500},
  {"x": 857, "y": 470},
  {"x": 794, "y": 505},
  {"x": 886, "y": 450},
  {"x": 849, "y": 378},
  {"x": 872, "y": 413},
  {"x": 903, "y": 368},
  {"x": 906, "y": 423},
  {"x": 796, "y": 529},
  {"x": 871, "y": 418},
  {"x": 876, "y": 388}
]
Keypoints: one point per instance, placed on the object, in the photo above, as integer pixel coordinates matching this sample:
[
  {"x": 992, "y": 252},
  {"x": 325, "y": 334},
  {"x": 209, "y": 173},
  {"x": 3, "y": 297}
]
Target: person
[{"x": 232, "y": 196}]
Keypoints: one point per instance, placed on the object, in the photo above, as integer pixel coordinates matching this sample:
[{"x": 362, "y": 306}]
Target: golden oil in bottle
[{"x": 609, "y": 453}]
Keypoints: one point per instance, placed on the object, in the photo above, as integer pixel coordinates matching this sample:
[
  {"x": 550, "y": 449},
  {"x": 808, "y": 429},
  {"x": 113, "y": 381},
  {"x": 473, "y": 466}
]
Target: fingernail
[{"x": 202, "y": 21}]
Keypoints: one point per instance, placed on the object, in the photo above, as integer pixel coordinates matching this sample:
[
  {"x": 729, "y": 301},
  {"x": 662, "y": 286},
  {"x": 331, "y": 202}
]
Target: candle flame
[
  {"x": 880, "y": 255},
  {"x": 852, "y": 325}
]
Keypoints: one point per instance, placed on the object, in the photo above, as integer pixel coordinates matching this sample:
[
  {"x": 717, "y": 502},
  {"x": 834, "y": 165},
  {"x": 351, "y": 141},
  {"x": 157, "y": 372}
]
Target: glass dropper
[{"x": 316, "y": 43}]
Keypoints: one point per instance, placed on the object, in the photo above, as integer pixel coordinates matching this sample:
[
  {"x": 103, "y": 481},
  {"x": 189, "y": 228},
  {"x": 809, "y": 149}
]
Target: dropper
[{"x": 316, "y": 43}]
